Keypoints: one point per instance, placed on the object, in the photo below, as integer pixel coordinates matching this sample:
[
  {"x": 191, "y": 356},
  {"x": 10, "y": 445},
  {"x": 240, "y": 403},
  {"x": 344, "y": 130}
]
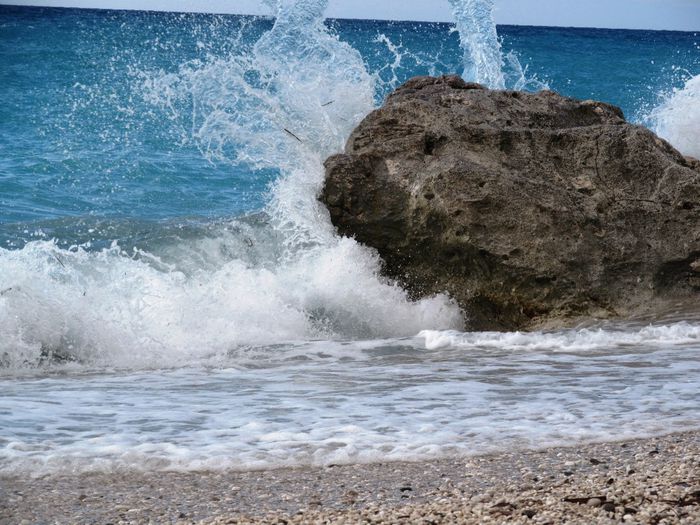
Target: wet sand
[{"x": 654, "y": 481}]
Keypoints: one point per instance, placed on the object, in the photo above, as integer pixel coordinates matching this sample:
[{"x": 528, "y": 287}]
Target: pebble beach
[{"x": 646, "y": 481}]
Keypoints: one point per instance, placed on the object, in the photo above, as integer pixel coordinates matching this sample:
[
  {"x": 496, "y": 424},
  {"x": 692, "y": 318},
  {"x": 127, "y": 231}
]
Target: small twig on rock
[
  {"x": 327, "y": 104},
  {"x": 3, "y": 292},
  {"x": 293, "y": 135},
  {"x": 583, "y": 500}
]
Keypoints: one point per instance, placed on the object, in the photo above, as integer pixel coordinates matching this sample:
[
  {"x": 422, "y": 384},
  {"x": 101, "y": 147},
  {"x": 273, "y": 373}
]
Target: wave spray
[
  {"x": 483, "y": 58},
  {"x": 282, "y": 275},
  {"x": 677, "y": 118}
]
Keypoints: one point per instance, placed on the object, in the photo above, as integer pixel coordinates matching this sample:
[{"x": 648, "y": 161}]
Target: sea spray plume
[
  {"x": 483, "y": 60},
  {"x": 677, "y": 118},
  {"x": 269, "y": 108}
]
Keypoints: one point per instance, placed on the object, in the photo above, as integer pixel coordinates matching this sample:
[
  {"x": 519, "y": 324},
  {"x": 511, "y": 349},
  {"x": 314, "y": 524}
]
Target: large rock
[{"x": 529, "y": 209}]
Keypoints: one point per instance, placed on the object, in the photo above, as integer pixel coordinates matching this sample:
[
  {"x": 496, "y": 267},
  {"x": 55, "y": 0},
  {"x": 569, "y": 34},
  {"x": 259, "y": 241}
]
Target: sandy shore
[{"x": 654, "y": 481}]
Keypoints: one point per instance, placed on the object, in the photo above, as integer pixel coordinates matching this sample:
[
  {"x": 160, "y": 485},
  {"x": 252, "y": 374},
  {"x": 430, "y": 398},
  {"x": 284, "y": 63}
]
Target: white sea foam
[
  {"x": 677, "y": 118},
  {"x": 125, "y": 309},
  {"x": 350, "y": 402},
  {"x": 582, "y": 340}
]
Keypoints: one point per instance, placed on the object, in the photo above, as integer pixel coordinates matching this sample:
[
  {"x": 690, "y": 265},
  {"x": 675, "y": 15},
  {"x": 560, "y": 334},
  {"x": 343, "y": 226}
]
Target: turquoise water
[{"x": 173, "y": 296}]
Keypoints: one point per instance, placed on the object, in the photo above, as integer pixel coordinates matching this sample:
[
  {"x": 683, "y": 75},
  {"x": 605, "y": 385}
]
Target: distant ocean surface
[{"x": 172, "y": 295}]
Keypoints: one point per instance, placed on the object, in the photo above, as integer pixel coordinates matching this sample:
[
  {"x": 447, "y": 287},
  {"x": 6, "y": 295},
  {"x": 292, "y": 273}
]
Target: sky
[{"x": 681, "y": 15}]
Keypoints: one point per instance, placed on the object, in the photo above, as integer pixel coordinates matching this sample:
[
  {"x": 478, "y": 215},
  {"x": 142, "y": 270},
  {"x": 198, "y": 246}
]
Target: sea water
[{"x": 173, "y": 296}]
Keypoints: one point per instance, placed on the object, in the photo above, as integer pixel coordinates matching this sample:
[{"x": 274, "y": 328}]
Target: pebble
[{"x": 609, "y": 507}]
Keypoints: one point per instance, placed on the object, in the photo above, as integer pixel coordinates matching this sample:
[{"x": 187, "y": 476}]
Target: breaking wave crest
[{"x": 285, "y": 104}]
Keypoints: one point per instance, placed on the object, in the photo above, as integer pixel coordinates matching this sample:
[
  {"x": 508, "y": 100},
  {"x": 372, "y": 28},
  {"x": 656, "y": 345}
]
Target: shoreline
[{"x": 653, "y": 480}]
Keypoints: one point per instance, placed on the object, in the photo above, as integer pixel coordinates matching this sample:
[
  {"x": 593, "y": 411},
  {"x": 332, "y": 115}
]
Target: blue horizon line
[{"x": 270, "y": 17}]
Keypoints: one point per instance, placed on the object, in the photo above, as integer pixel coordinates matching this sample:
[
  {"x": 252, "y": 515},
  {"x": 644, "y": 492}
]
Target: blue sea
[{"x": 174, "y": 297}]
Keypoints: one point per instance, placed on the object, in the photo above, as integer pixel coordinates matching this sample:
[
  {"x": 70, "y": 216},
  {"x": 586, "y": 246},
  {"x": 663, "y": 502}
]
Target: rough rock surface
[{"x": 529, "y": 209}]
